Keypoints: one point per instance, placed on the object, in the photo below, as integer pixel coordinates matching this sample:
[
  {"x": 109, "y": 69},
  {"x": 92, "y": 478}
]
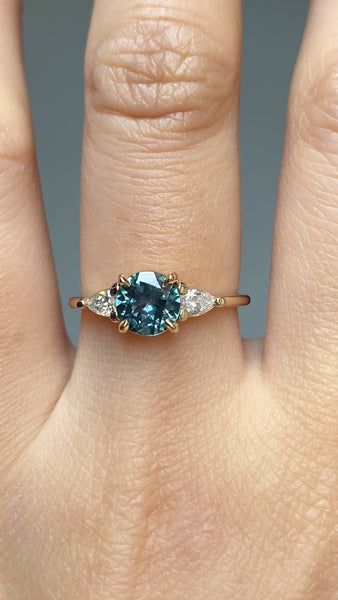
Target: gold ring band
[
  {"x": 149, "y": 303},
  {"x": 221, "y": 301}
]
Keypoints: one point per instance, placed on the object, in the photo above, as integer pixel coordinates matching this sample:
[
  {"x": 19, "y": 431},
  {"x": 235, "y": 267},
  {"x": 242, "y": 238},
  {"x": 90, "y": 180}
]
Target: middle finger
[{"x": 161, "y": 167}]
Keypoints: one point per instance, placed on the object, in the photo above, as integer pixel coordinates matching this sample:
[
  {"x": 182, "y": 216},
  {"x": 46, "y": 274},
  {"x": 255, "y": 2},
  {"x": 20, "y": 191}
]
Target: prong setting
[
  {"x": 124, "y": 326},
  {"x": 123, "y": 281},
  {"x": 183, "y": 288},
  {"x": 172, "y": 326},
  {"x": 183, "y": 314},
  {"x": 113, "y": 316},
  {"x": 171, "y": 279},
  {"x": 114, "y": 289}
]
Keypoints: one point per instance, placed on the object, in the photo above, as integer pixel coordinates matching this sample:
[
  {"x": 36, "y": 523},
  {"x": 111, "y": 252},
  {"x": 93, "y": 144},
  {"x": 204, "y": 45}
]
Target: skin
[{"x": 183, "y": 467}]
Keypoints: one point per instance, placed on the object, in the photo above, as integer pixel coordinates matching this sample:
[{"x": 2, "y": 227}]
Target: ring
[{"x": 148, "y": 303}]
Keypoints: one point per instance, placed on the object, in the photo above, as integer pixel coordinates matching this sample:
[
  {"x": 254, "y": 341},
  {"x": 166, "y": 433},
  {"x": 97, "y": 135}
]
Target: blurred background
[{"x": 55, "y": 37}]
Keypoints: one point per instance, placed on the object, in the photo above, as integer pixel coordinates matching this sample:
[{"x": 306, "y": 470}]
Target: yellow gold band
[{"x": 221, "y": 301}]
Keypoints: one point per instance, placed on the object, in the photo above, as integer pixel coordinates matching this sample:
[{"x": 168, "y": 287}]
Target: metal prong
[
  {"x": 113, "y": 289},
  {"x": 123, "y": 281},
  {"x": 183, "y": 288},
  {"x": 113, "y": 316},
  {"x": 124, "y": 326},
  {"x": 170, "y": 279},
  {"x": 183, "y": 314},
  {"x": 172, "y": 326}
]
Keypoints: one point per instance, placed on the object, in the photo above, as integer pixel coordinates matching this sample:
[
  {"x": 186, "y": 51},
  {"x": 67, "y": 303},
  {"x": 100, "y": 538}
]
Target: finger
[
  {"x": 302, "y": 333},
  {"x": 161, "y": 172},
  {"x": 32, "y": 336},
  {"x": 160, "y": 192}
]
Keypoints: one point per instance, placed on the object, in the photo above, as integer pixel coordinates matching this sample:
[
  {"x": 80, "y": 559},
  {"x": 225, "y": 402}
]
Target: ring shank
[
  {"x": 221, "y": 302},
  {"x": 233, "y": 301},
  {"x": 76, "y": 302}
]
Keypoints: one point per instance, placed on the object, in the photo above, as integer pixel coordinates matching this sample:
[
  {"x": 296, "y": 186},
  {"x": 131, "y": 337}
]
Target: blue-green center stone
[{"x": 148, "y": 303}]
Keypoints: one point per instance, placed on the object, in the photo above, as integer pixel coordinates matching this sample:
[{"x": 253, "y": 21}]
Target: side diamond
[
  {"x": 197, "y": 302},
  {"x": 101, "y": 303}
]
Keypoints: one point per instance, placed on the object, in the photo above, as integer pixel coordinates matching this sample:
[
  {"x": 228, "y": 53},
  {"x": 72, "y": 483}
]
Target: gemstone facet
[
  {"x": 148, "y": 303},
  {"x": 197, "y": 302},
  {"x": 101, "y": 303}
]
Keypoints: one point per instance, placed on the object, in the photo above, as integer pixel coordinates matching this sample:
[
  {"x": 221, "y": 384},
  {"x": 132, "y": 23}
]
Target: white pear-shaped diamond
[
  {"x": 197, "y": 302},
  {"x": 101, "y": 303}
]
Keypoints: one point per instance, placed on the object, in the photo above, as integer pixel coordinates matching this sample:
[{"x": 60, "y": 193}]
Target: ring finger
[{"x": 161, "y": 170}]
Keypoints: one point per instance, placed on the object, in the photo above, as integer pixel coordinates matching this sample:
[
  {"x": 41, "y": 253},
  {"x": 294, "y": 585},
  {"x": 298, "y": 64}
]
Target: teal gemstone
[{"x": 148, "y": 303}]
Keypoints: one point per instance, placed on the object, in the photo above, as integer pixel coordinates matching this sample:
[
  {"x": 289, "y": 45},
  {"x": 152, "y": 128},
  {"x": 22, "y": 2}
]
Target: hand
[{"x": 183, "y": 467}]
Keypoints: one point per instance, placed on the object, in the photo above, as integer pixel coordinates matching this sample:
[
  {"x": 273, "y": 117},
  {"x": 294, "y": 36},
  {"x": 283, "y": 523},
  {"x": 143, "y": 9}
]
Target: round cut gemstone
[{"x": 148, "y": 303}]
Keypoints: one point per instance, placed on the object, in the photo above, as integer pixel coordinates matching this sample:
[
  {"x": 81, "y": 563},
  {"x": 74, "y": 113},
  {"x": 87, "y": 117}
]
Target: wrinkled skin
[{"x": 183, "y": 467}]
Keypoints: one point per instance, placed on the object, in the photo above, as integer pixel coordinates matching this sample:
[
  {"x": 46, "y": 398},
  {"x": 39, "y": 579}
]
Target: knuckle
[
  {"x": 162, "y": 68},
  {"x": 315, "y": 111}
]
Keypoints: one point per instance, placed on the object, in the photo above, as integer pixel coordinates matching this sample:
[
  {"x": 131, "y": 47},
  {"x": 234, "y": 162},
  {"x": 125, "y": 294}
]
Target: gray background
[{"x": 55, "y": 36}]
